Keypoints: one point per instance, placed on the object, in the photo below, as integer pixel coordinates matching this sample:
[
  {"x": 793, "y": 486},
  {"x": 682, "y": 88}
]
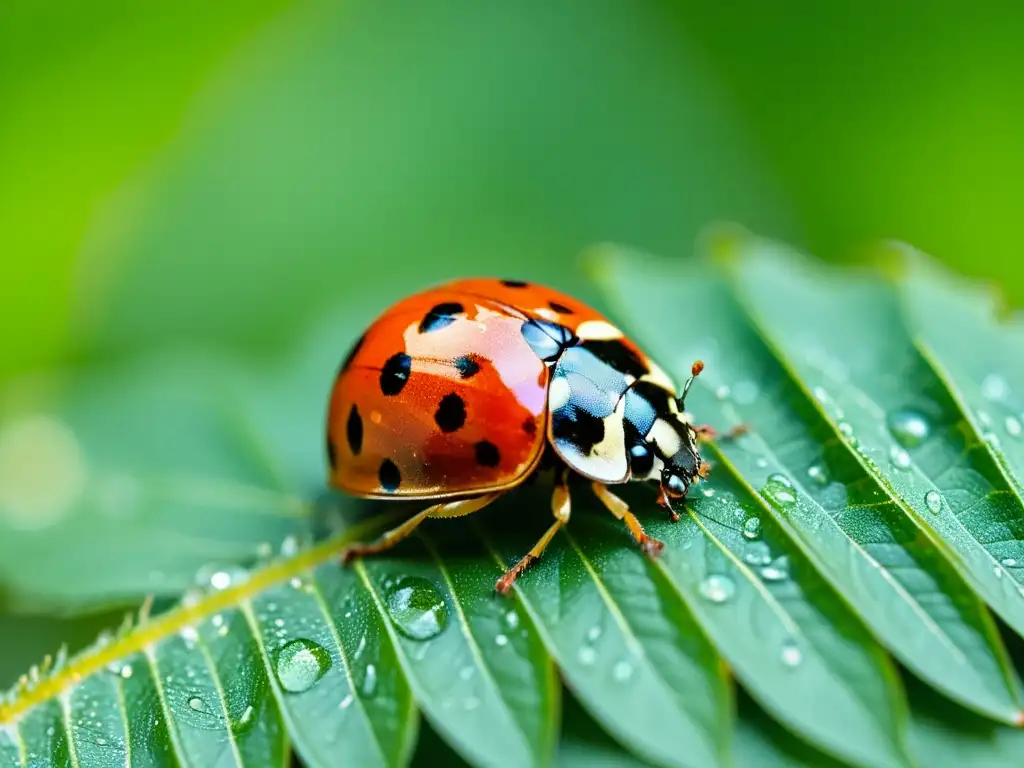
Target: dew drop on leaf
[
  {"x": 512, "y": 619},
  {"x": 220, "y": 576},
  {"x": 370, "y": 681},
  {"x": 622, "y": 671},
  {"x": 417, "y": 608},
  {"x": 717, "y": 588},
  {"x": 752, "y": 528},
  {"x": 300, "y": 664},
  {"x": 909, "y": 427},
  {"x": 933, "y": 500},
  {"x": 1013, "y": 427},
  {"x": 791, "y": 655},
  {"x": 587, "y": 655},
  {"x": 899, "y": 457},
  {"x": 994, "y": 387},
  {"x": 197, "y": 704},
  {"x": 776, "y": 570},
  {"x": 818, "y": 473},
  {"x": 501, "y": 640},
  {"x": 1009, "y": 562},
  {"x": 779, "y": 491}
]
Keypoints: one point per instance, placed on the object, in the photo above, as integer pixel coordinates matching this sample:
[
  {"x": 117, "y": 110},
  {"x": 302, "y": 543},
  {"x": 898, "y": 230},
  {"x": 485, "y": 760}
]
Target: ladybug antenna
[{"x": 698, "y": 366}]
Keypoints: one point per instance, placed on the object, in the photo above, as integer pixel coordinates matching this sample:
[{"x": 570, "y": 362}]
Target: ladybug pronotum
[{"x": 456, "y": 394}]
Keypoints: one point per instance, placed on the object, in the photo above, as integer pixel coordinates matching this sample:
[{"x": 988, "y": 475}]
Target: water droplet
[
  {"x": 622, "y": 671},
  {"x": 708, "y": 492},
  {"x": 717, "y": 588},
  {"x": 246, "y": 717},
  {"x": 501, "y": 640},
  {"x": 472, "y": 703},
  {"x": 370, "y": 680},
  {"x": 933, "y": 500},
  {"x": 998, "y": 572},
  {"x": 347, "y": 701},
  {"x": 289, "y": 546},
  {"x": 300, "y": 664},
  {"x": 417, "y": 608},
  {"x": 776, "y": 570},
  {"x": 752, "y": 528},
  {"x": 722, "y": 392},
  {"x": 196, "y": 704},
  {"x": 594, "y": 632},
  {"x": 818, "y": 474},
  {"x": 587, "y": 655},
  {"x": 899, "y": 457},
  {"x": 779, "y": 491},
  {"x": 791, "y": 655},
  {"x": 822, "y": 394},
  {"x": 466, "y": 672},
  {"x": 994, "y": 387},
  {"x": 846, "y": 429},
  {"x": 220, "y": 576},
  {"x": 101, "y": 742},
  {"x": 512, "y": 619},
  {"x": 1009, "y": 562},
  {"x": 909, "y": 427},
  {"x": 1014, "y": 427}
]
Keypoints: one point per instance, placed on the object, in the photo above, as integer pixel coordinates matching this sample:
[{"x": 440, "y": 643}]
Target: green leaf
[
  {"x": 627, "y": 644},
  {"x": 803, "y": 570},
  {"x": 836, "y": 506}
]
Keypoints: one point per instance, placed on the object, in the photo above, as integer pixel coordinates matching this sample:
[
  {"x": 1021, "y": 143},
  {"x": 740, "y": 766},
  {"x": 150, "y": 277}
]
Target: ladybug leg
[
  {"x": 389, "y": 538},
  {"x": 620, "y": 509},
  {"x": 560, "y": 507}
]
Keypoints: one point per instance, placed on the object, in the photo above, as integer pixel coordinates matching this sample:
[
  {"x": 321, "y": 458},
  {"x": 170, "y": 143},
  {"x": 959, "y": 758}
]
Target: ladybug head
[{"x": 681, "y": 469}]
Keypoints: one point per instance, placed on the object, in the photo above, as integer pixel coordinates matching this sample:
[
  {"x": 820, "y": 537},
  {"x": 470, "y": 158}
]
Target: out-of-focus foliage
[{"x": 224, "y": 172}]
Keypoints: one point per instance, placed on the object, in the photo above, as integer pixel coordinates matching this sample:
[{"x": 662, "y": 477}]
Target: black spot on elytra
[
  {"x": 395, "y": 373},
  {"x": 561, "y": 308},
  {"x": 354, "y": 431},
  {"x": 615, "y": 353},
  {"x": 578, "y": 428},
  {"x": 487, "y": 454},
  {"x": 466, "y": 366},
  {"x": 451, "y": 413},
  {"x": 440, "y": 316},
  {"x": 332, "y": 456},
  {"x": 514, "y": 284},
  {"x": 530, "y": 426},
  {"x": 389, "y": 476},
  {"x": 353, "y": 352}
]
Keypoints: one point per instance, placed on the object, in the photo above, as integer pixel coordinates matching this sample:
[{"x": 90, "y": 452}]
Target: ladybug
[{"x": 456, "y": 394}]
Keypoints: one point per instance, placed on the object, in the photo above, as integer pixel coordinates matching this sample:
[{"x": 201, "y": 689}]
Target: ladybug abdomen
[{"x": 441, "y": 397}]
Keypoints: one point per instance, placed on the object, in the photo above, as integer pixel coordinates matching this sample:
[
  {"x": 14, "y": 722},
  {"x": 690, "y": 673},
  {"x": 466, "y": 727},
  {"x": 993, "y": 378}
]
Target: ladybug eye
[{"x": 674, "y": 485}]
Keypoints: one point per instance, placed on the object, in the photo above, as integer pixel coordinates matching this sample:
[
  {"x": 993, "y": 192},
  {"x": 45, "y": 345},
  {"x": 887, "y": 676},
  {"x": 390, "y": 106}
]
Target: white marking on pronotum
[
  {"x": 597, "y": 330},
  {"x": 665, "y": 435},
  {"x": 548, "y": 314},
  {"x": 657, "y": 376},
  {"x": 558, "y": 392}
]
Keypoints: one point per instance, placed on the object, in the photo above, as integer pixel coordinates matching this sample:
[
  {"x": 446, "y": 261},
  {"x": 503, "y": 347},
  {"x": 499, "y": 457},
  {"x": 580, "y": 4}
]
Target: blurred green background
[{"x": 225, "y": 173}]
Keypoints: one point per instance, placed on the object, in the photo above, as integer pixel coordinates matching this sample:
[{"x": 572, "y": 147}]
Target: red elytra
[{"x": 455, "y": 394}]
